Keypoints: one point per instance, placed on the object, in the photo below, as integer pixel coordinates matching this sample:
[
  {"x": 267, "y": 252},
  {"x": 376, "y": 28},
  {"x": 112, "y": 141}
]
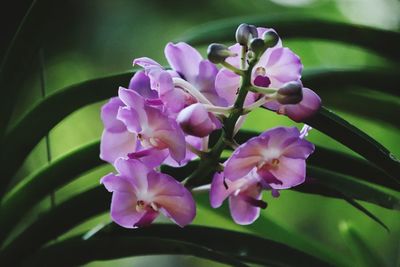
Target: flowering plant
[{"x": 166, "y": 117}]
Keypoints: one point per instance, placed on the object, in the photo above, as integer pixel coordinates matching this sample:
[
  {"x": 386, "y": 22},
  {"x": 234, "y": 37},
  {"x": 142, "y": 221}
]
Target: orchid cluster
[{"x": 166, "y": 116}]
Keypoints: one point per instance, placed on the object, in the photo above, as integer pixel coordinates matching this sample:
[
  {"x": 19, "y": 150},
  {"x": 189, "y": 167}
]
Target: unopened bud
[
  {"x": 290, "y": 93},
  {"x": 197, "y": 121},
  {"x": 245, "y": 33},
  {"x": 217, "y": 53},
  {"x": 257, "y": 45},
  {"x": 270, "y": 38}
]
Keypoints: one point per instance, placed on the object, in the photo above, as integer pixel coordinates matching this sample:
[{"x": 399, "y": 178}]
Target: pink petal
[
  {"x": 140, "y": 83},
  {"x": 123, "y": 209},
  {"x": 146, "y": 63},
  {"x": 245, "y": 158},
  {"x": 300, "y": 149},
  {"x": 109, "y": 116},
  {"x": 151, "y": 157},
  {"x": 116, "y": 183},
  {"x": 115, "y": 145},
  {"x": 291, "y": 172},
  {"x": 222, "y": 188},
  {"x": 227, "y": 84},
  {"x": 241, "y": 210},
  {"x": 184, "y": 59},
  {"x": 281, "y": 66},
  {"x": 130, "y": 118},
  {"x": 175, "y": 200},
  {"x": 134, "y": 171}
]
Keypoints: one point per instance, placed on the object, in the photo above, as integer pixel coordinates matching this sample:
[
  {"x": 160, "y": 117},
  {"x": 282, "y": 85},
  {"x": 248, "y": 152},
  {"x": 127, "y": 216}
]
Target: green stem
[{"x": 210, "y": 162}]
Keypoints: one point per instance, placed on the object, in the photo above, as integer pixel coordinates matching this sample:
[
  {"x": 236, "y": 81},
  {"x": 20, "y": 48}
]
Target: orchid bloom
[
  {"x": 140, "y": 194},
  {"x": 277, "y": 155},
  {"x": 244, "y": 195},
  {"x": 132, "y": 126},
  {"x": 152, "y": 128}
]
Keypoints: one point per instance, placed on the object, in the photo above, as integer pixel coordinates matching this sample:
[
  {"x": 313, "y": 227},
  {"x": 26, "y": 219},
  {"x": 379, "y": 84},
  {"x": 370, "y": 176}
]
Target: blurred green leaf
[
  {"x": 363, "y": 254},
  {"x": 365, "y": 211},
  {"x": 46, "y": 114},
  {"x": 337, "y": 80},
  {"x": 290, "y": 26},
  {"x": 147, "y": 241},
  {"x": 41, "y": 183}
]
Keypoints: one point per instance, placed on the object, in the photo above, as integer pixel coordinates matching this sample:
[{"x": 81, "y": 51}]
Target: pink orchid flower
[
  {"x": 140, "y": 194},
  {"x": 278, "y": 157},
  {"x": 132, "y": 126}
]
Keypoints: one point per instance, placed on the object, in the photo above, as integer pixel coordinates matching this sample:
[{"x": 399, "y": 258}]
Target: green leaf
[
  {"x": 45, "y": 115},
  {"x": 363, "y": 254},
  {"x": 55, "y": 222},
  {"x": 298, "y": 26},
  {"x": 382, "y": 79},
  {"x": 339, "y": 129},
  {"x": 366, "y": 212},
  {"x": 41, "y": 183},
  {"x": 352, "y": 187},
  {"x": 145, "y": 241}
]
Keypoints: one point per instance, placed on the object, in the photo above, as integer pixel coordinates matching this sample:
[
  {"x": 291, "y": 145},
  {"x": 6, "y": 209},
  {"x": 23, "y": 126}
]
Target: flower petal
[
  {"x": 281, "y": 66},
  {"x": 109, "y": 116},
  {"x": 115, "y": 145},
  {"x": 175, "y": 200},
  {"x": 116, "y": 183},
  {"x": 241, "y": 210},
  {"x": 123, "y": 209},
  {"x": 291, "y": 172},
  {"x": 146, "y": 63},
  {"x": 140, "y": 83},
  {"x": 184, "y": 59},
  {"x": 130, "y": 118},
  {"x": 134, "y": 171}
]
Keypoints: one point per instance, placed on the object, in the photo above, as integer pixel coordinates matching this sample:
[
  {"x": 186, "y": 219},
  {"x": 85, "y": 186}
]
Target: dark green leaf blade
[
  {"x": 339, "y": 129},
  {"x": 44, "y": 116},
  {"x": 243, "y": 246}
]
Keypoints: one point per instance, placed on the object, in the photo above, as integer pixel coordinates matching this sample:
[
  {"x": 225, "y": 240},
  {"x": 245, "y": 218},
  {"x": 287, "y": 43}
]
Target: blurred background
[{"x": 88, "y": 39}]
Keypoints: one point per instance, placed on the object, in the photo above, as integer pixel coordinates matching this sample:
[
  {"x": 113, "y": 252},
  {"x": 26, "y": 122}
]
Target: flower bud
[
  {"x": 270, "y": 38},
  {"x": 257, "y": 45},
  {"x": 197, "y": 121},
  {"x": 245, "y": 33},
  {"x": 217, "y": 53},
  {"x": 290, "y": 93}
]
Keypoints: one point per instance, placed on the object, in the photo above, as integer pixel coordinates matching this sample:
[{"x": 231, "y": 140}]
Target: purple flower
[
  {"x": 152, "y": 128},
  {"x": 277, "y": 156},
  {"x": 131, "y": 126},
  {"x": 244, "y": 196},
  {"x": 140, "y": 194},
  {"x": 197, "y": 121}
]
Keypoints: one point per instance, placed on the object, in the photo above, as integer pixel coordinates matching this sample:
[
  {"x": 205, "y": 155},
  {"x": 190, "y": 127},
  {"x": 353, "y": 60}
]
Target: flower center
[{"x": 141, "y": 205}]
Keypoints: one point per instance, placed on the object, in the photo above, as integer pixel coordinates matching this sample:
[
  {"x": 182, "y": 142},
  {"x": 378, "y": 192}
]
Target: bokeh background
[{"x": 88, "y": 39}]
